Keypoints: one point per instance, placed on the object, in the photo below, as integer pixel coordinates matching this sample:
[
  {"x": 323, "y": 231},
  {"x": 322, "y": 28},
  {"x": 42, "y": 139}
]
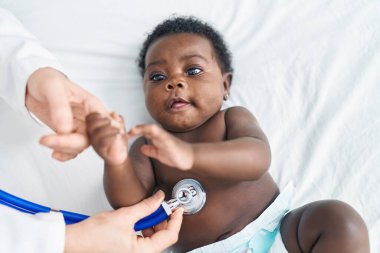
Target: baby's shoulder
[
  {"x": 237, "y": 113},
  {"x": 137, "y": 143}
]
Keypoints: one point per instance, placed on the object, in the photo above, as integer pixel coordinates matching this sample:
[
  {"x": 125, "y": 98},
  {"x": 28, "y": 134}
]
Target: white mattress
[{"x": 308, "y": 70}]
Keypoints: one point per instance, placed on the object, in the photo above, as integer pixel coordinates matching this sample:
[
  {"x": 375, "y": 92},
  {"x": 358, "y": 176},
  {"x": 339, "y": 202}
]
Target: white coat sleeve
[
  {"x": 40, "y": 233},
  {"x": 20, "y": 55}
]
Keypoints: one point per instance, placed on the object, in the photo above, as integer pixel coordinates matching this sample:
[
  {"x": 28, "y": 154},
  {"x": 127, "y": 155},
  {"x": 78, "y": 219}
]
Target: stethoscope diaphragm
[{"x": 190, "y": 195}]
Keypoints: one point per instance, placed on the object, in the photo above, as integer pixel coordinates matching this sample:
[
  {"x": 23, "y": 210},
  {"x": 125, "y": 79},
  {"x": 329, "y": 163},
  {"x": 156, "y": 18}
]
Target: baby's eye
[
  {"x": 194, "y": 71},
  {"x": 157, "y": 77}
]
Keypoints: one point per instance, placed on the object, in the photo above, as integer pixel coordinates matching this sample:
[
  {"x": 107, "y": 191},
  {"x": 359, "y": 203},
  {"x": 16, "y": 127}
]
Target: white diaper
[{"x": 260, "y": 235}]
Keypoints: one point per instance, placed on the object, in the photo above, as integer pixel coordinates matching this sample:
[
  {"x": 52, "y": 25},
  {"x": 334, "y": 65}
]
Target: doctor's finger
[
  {"x": 63, "y": 156},
  {"x": 143, "y": 208},
  {"x": 164, "y": 238},
  {"x": 59, "y": 107},
  {"x": 91, "y": 103},
  {"x": 73, "y": 143}
]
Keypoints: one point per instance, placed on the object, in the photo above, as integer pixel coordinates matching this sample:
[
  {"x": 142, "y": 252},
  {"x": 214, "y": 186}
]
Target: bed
[{"x": 308, "y": 70}]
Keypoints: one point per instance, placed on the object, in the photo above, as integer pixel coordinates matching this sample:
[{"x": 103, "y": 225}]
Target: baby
[{"x": 187, "y": 73}]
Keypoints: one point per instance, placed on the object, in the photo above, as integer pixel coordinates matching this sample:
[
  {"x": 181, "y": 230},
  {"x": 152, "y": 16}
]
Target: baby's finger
[
  {"x": 102, "y": 133},
  {"x": 149, "y": 151},
  {"x": 94, "y": 116},
  {"x": 94, "y": 124},
  {"x": 78, "y": 111},
  {"x": 149, "y": 131},
  {"x": 117, "y": 121},
  {"x": 116, "y": 117}
]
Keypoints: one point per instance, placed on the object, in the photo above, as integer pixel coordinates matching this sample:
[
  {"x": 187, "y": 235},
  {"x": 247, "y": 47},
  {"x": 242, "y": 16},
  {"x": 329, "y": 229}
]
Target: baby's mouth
[{"x": 178, "y": 103}]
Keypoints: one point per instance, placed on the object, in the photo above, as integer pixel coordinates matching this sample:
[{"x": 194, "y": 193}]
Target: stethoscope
[{"x": 187, "y": 193}]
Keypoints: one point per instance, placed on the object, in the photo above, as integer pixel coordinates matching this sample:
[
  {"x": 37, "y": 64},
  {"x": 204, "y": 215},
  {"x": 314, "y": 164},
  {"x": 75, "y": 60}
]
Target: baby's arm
[
  {"x": 130, "y": 182},
  {"x": 127, "y": 179},
  {"x": 244, "y": 155}
]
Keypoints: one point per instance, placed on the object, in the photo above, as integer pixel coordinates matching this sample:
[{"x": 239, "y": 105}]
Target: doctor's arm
[
  {"x": 110, "y": 231},
  {"x": 30, "y": 81}
]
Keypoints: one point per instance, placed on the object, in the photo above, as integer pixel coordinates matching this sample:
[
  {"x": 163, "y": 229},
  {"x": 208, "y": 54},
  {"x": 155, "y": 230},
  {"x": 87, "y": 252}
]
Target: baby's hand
[
  {"x": 164, "y": 147},
  {"x": 107, "y": 137}
]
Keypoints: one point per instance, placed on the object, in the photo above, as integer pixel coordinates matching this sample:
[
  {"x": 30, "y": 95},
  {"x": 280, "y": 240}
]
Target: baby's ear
[{"x": 227, "y": 80}]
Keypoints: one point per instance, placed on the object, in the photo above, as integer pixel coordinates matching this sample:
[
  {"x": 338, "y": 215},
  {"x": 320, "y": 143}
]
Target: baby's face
[{"x": 183, "y": 83}]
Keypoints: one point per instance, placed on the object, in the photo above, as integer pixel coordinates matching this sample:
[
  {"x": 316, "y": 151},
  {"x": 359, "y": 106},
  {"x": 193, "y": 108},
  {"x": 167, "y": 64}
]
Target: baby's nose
[{"x": 171, "y": 86}]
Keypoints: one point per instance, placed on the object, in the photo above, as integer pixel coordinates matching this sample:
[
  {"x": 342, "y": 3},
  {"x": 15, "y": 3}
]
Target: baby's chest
[{"x": 167, "y": 177}]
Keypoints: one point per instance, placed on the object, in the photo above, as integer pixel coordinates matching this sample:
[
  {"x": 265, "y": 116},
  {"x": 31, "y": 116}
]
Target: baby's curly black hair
[{"x": 188, "y": 24}]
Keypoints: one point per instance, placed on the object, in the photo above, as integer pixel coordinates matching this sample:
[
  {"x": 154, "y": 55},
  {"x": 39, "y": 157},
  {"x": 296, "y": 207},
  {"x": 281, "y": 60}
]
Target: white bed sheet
[{"x": 308, "y": 70}]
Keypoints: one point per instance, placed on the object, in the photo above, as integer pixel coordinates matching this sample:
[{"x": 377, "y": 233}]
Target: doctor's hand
[
  {"x": 63, "y": 106},
  {"x": 113, "y": 231}
]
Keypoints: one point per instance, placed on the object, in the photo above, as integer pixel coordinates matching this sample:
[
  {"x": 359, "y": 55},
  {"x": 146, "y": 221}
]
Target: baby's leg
[{"x": 325, "y": 226}]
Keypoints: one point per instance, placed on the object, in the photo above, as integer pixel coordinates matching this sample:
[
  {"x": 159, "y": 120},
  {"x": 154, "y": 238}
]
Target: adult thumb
[
  {"x": 59, "y": 109},
  {"x": 144, "y": 208}
]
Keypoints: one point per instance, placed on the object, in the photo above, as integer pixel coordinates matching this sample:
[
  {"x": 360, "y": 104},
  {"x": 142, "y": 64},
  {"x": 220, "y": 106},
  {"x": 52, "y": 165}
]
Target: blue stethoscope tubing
[{"x": 25, "y": 206}]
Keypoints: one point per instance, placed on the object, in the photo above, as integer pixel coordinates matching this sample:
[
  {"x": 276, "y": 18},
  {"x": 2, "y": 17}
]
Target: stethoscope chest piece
[{"x": 190, "y": 195}]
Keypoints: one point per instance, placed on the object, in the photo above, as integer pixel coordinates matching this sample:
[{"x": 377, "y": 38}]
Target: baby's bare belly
[{"x": 228, "y": 209}]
